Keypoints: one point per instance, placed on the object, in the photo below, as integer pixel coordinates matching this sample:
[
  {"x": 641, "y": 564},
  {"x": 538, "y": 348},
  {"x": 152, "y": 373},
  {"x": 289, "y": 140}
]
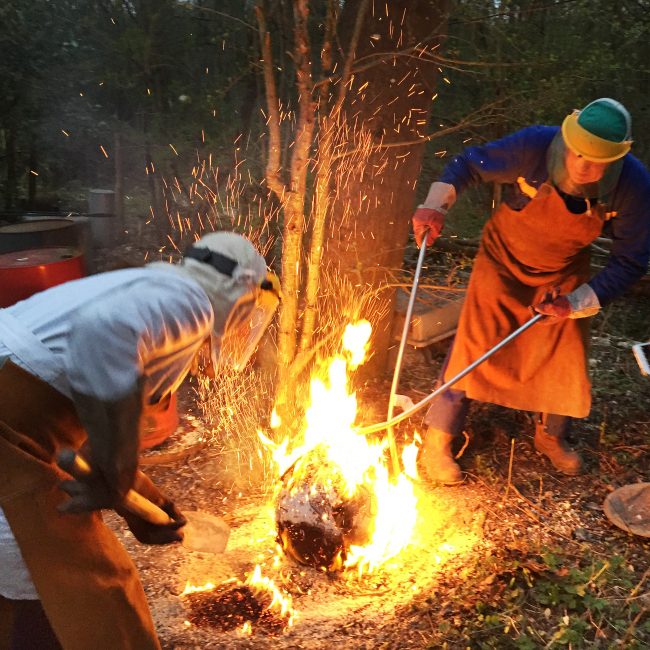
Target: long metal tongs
[
  {"x": 392, "y": 421},
  {"x": 394, "y": 459}
]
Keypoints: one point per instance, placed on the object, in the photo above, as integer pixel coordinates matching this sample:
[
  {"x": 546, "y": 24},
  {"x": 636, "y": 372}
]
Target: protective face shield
[
  {"x": 249, "y": 310},
  {"x": 247, "y": 322},
  {"x": 558, "y": 175},
  {"x": 600, "y": 133}
]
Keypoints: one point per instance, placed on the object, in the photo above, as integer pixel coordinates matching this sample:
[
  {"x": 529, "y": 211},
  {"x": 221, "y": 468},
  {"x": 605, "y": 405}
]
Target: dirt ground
[{"x": 518, "y": 556}]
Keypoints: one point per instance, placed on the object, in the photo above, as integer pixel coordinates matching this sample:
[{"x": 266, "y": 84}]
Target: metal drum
[
  {"x": 24, "y": 273},
  {"x": 39, "y": 233},
  {"x": 158, "y": 422}
]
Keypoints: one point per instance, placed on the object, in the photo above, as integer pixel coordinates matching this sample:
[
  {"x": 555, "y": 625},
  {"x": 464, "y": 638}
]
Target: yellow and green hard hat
[{"x": 600, "y": 132}]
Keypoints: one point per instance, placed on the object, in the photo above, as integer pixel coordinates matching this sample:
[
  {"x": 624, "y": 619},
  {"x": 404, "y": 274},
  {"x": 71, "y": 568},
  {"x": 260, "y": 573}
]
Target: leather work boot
[
  {"x": 437, "y": 459},
  {"x": 557, "y": 450}
]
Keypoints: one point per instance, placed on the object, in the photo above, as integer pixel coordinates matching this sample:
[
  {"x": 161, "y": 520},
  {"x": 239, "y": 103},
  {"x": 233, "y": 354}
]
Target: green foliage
[
  {"x": 522, "y": 600},
  {"x": 164, "y": 72}
]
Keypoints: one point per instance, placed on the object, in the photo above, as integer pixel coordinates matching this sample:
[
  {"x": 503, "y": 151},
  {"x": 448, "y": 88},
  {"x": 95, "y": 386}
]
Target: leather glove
[
  {"x": 428, "y": 219},
  {"x": 554, "y": 304},
  {"x": 431, "y": 214},
  {"x": 580, "y": 303},
  {"x": 148, "y": 533},
  {"x": 89, "y": 492}
]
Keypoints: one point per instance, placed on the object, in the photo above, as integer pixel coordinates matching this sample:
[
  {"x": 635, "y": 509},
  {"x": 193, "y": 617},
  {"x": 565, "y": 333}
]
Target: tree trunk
[
  {"x": 10, "y": 189},
  {"x": 294, "y": 202},
  {"x": 388, "y": 104},
  {"x": 119, "y": 181},
  {"x": 31, "y": 178},
  {"x": 329, "y": 126}
]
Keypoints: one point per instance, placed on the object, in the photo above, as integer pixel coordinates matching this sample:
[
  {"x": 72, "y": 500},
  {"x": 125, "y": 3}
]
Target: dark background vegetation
[{"x": 163, "y": 84}]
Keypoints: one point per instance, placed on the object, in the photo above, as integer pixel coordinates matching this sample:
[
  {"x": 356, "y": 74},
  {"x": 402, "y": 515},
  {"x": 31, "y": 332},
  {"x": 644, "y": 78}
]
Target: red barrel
[
  {"x": 158, "y": 422},
  {"x": 24, "y": 273}
]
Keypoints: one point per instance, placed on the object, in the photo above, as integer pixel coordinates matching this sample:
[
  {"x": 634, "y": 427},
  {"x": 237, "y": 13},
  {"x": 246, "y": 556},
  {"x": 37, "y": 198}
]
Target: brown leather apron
[
  {"x": 522, "y": 255},
  {"x": 86, "y": 581}
]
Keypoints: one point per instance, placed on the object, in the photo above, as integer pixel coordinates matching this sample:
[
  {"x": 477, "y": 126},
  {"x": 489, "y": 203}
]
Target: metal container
[
  {"x": 435, "y": 316},
  {"x": 101, "y": 202},
  {"x": 158, "y": 422},
  {"x": 101, "y": 212},
  {"x": 39, "y": 233},
  {"x": 24, "y": 273},
  {"x": 81, "y": 238}
]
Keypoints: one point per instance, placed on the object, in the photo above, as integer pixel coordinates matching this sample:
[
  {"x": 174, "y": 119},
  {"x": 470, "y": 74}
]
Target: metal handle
[
  {"x": 400, "y": 353},
  {"x": 134, "y": 502},
  {"x": 421, "y": 404}
]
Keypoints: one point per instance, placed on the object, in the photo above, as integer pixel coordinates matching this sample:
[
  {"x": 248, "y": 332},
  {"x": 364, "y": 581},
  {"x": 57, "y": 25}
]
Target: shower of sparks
[
  {"x": 212, "y": 199},
  {"x": 230, "y": 197}
]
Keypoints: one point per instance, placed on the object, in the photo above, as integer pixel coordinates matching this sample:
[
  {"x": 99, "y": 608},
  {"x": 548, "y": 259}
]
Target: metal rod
[
  {"x": 422, "y": 403},
  {"x": 400, "y": 353}
]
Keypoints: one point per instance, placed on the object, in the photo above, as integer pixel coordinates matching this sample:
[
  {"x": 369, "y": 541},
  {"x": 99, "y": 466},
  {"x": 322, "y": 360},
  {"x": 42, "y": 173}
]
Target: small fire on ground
[{"x": 234, "y": 604}]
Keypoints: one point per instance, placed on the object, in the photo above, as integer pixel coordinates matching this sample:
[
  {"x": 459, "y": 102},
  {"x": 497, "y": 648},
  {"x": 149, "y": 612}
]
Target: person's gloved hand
[
  {"x": 87, "y": 493},
  {"x": 428, "y": 219},
  {"x": 148, "y": 533},
  {"x": 431, "y": 214},
  {"x": 554, "y": 304},
  {"x": 582, "y": 302}
]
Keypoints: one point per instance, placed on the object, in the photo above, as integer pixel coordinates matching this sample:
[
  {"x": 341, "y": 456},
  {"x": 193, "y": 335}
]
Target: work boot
[
  {"x": 437, "y": 459},
  {"x": 555, "y": 447}
]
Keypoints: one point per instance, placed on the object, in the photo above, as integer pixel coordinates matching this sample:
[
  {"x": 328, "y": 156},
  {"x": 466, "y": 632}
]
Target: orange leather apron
[
  {"x": 85, "y": 579},
  {"x": 522, "y": 255}
]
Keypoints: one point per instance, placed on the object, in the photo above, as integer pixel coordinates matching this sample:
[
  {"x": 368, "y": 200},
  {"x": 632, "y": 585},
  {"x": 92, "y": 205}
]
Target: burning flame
[
  {"x": 330, "y": 428},
  {"x": 263, "y": 589},
  {"x": 280, "y": 604},
  {"x": 195, "y": 589},
  {"x": 355, "y": 342}
]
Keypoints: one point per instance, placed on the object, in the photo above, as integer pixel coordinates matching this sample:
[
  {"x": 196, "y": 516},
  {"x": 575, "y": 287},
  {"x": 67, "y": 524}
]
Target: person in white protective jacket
[{"x": 79, "y": 363}]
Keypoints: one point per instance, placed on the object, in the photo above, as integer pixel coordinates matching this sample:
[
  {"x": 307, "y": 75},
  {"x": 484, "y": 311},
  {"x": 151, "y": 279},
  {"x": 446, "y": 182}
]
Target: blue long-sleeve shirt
[{"x": 523, "y": 153}]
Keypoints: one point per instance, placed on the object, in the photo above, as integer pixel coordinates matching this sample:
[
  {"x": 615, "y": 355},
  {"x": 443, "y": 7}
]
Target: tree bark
[
  {"x": 329, "y": 125},
  {"x": 388, "y": 102},
  {"x": 119, "y": 181},
  {"x": 10, "y": 189},
  {"x": 294, "y": 200}
]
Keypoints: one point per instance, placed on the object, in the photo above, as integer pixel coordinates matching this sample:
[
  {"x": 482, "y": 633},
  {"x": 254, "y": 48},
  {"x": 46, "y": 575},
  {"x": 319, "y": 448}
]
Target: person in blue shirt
[{"x": 562, "y": 188}]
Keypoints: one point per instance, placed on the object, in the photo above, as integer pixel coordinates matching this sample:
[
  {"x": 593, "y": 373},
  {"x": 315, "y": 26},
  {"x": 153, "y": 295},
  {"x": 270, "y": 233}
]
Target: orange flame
[
  {"x": 281, "y": 604},
  {"x": 330, "y": 427}
]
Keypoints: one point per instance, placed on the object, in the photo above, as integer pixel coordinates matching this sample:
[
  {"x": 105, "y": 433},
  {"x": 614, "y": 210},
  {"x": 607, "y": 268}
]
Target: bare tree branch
[
  {"x": 273, "y": 162},
  {"x": 324, "y": 170}
]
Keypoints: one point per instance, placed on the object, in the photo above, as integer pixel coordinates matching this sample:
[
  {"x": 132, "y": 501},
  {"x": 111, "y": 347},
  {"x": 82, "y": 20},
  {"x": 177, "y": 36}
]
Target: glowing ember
[
  {"x": 234, "y": 604},
  {"x": 337, "y": 504}
]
